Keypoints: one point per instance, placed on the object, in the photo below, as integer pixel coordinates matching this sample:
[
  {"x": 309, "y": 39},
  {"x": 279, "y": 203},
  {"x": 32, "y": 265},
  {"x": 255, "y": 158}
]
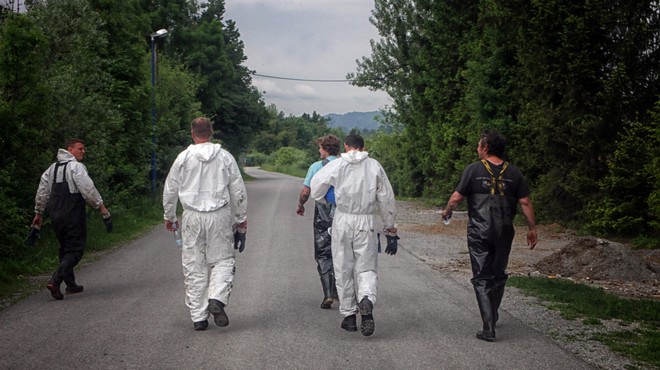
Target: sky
[{"x": 307, "y": 39}]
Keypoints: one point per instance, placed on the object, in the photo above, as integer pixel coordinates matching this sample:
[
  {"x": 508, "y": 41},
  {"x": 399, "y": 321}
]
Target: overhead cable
[{"x": 297, "y": 79}]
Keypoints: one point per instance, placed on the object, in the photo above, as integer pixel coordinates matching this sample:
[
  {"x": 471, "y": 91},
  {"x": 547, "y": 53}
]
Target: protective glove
[
  {"x": 107, "y": 220},
  {"x": 392, "y": 244},
  {"x": 239, "y": 239},
  {"x": 33, "y": 236}
]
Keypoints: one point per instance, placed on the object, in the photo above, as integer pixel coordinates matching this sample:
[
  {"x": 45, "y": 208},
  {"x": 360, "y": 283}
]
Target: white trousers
[
  {"x": 355, "y": 259},
  {"x": 208, "y": 259}
]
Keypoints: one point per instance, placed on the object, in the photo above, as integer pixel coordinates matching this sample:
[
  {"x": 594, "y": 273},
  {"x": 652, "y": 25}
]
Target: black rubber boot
[
  {"x": 327, "y": 282},
  {"x": 482, "y": 291},
  {"x": 496, "y": 294},
  {"x": 333, "y": 287}
]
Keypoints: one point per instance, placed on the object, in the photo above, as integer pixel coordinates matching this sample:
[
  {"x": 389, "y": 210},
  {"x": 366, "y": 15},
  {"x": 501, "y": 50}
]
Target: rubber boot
[
  {"x": 327, "y": 282},
  {"x": 333, "y": 288},
  {"x": 482, "y": 291},
  {"x": 496, "y": 294}
]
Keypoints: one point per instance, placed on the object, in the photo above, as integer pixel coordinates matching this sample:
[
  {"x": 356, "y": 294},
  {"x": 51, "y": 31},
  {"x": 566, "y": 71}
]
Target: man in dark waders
[
  {"x": 323, "y": 213},
  {"x": 493, "y": 189},
  {"x": 64, "y": 189}
]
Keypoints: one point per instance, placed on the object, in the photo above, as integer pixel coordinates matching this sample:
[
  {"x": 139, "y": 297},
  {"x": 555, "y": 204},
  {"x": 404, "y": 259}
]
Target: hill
[{"x": 360, "y": 120}]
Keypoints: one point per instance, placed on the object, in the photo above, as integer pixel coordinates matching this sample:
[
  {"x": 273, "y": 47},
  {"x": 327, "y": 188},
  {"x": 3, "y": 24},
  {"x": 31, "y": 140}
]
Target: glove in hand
[
  {"x": 33, "y": 236},
  {"x": 108, "y": 223},
  {"x": 239, "y": 240},
  {"x": 392, "y": 244}
]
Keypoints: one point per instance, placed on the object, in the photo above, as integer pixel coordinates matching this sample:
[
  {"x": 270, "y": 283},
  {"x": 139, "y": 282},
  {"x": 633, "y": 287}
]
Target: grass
[
  {"x": 289, "y": 170},
  {"x": 591, "y": 305},
  {"x": 30, "y": 270}
]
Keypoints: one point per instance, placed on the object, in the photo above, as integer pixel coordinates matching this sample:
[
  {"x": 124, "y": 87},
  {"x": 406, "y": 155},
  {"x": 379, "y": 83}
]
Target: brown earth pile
[
  {"x": 599, "y": 259},
  {"x": 609, "y": 264}
]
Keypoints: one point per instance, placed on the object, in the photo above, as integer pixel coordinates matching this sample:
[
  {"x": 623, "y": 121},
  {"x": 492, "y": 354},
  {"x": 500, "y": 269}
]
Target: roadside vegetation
[{"x": 639, "y": 337}]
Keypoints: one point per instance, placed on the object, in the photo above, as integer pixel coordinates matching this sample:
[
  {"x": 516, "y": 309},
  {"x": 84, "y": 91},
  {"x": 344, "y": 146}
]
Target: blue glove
[
  {"x": 239, "y": 241},
  {"x": 392, "y": 244},
  {"x": 33, "y": 236},
  {"x": 330, "y": 195}
]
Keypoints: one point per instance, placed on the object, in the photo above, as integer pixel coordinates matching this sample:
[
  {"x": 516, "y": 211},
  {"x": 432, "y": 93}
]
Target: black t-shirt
[{"x": 476, "y": 180}]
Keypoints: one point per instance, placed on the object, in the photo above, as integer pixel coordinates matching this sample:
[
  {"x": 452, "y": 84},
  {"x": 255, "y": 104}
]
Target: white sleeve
[
  {"x": 171, "y": 191},
  {"x": 43, "y": 192},
  {"x": 237, "y": 191},
  {"x": 385, "y": 198},
  {"x": 85, "y": 184},
  {"x": 322, "y": 181}
]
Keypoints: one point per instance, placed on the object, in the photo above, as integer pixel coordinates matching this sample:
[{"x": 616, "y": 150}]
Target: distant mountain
[{"x": 359, "y": 120}]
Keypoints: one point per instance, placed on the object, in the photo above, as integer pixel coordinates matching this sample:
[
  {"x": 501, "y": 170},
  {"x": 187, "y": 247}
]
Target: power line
[{"x": 297, "y": 79}]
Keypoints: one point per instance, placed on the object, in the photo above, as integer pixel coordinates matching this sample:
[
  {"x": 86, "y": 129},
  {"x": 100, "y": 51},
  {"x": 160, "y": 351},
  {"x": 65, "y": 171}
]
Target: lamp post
[{"x": 159, "y": 33}]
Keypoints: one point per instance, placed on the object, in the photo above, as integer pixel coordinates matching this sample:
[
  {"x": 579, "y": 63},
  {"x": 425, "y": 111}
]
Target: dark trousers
[{"x": 72, "y": 240}]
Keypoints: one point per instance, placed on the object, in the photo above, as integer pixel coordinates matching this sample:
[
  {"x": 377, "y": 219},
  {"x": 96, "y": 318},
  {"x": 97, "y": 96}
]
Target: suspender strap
[
  {"x": 495, "y": 183},
  {"x": 57, "y": 166}
]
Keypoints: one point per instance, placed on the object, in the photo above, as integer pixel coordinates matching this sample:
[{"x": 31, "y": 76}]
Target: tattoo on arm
[{"x": 304, "y": 196}]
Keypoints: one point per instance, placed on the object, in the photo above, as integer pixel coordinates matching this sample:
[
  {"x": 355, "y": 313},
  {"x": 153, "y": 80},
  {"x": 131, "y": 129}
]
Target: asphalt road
[{"x": 132, "y": 313}]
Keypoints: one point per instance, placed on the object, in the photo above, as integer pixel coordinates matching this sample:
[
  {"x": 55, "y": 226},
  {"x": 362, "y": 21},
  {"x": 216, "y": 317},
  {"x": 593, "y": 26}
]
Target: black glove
[
  {"x": 392, "y": 244},
  {"x": 108, "y": 223},
  {"x": 239, "y": 241},
  {"x": 33, "y": 236}
]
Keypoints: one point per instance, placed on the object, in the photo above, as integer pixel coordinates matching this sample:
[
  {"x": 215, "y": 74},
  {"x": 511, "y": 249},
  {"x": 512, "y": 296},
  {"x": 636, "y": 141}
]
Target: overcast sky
[{"x": 307, "y": 39}]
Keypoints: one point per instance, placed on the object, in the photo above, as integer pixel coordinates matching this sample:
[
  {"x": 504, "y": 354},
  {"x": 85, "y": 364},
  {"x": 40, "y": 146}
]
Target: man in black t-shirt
[{"x": 493, "y": 189}]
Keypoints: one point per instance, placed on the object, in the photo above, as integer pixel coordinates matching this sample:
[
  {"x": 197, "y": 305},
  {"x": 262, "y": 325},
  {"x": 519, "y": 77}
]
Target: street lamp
[{"x": 159, "y": 33}]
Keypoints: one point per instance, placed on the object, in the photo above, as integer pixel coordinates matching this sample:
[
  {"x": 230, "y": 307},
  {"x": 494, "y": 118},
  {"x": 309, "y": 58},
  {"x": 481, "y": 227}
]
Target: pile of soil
[
  {"x": 599, "y": 259},
  {"x": 595, "y": 259}
]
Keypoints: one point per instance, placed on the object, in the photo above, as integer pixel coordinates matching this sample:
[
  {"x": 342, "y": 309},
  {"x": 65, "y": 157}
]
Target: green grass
[
  {"x": 591, "y": 305},
  {"x": 289, "y": 170},
  {"x": 30, "y": 270}
]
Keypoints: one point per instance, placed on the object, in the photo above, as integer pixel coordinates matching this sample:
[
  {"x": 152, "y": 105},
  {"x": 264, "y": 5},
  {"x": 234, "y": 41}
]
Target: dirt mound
[{"x": 598, "y": 259}]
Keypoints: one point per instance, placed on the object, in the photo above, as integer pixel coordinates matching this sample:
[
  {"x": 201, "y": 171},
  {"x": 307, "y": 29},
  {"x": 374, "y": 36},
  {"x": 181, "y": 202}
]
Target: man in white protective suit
[
  {"x": 206, "y": 180},
  {"x": 360, "y": 185}
]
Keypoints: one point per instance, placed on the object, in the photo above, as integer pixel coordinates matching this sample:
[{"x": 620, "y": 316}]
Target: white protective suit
[
  {"x": 360, "y": 186},
  {"x": 79, "y": 182},
  {"x": 206, "y": 180}
]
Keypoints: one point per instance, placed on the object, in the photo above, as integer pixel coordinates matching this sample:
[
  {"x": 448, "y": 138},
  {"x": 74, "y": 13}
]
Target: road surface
[{"x": 132, "y": 313}]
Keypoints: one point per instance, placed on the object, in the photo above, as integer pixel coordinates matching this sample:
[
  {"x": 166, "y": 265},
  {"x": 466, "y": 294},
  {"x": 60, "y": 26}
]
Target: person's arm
[
  {"x": 302, "y": 199},
  {"x": 528, "y": 211},
  {"x": 171, "y": 195},
  {"x": 455, "y": 199},
  {"x": 386, "y": 201},
  {"x": 237, "y": 193},
  {"x": 42, "y": 197}
]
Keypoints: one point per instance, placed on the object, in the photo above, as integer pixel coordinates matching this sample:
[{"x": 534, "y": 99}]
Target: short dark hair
[
  {"x": 69, "y": 143},
  {"x": 329, "y": 143},
  {"x": 201, "y": 127},
  {"x": 495, "y": 141},
  {"x": 354, "y": 141}
]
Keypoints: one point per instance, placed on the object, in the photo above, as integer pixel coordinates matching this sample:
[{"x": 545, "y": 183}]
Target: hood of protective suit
[
  {"x": 204, "y": 152},
  {"x": 354, "y": 156},
  {"x": 65, "y": 155}
]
